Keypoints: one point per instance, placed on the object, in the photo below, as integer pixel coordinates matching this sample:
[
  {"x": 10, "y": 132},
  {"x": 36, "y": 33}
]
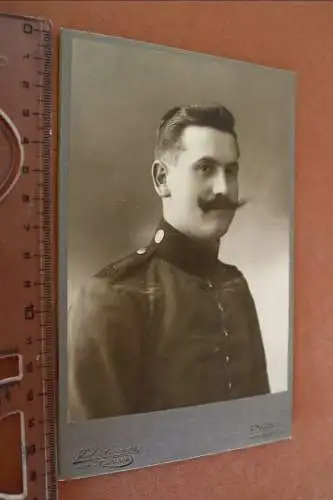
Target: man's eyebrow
[
  {"x": 208, "y": 159},
  {"x": 214, "y": 161},
  {"x": 232, "y": 164}
]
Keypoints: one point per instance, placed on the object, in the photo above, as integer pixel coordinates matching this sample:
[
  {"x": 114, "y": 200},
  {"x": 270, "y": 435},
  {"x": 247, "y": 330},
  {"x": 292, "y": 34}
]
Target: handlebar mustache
[{"x": 220, "y": 203}]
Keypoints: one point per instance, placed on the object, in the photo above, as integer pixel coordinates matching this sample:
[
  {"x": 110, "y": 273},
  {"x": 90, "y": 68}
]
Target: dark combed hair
[{"x": 174, "y": 122}]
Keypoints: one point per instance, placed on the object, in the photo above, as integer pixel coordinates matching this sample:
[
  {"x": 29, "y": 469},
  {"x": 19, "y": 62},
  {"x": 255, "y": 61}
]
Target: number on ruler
[
  {"x": 30, "y": 395},
  {"x": 31, "y": 450},
  {"x": 29, "y": 312},
  {"x": 27, "y": 28},
  {"x": 31, "y": 423},
  {"x": 33, "y": 476},
  {"x": 29, "y": 367}
]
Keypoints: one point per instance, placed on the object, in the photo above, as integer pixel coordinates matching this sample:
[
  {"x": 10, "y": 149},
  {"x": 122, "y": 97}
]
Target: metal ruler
[{"x": 27, "y": 312}]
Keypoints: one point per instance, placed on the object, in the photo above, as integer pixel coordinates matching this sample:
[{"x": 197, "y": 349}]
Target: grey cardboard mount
[{"x": 94, "y": 447}]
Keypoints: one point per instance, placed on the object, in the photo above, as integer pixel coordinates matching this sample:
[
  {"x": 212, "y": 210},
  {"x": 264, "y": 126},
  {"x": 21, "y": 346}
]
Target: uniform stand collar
[{"x": 184, "y": 252}]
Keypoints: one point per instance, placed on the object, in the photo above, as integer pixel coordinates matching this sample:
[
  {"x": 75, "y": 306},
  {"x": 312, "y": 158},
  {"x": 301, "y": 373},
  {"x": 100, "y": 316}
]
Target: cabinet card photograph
[{"x": 175, "y": 254}]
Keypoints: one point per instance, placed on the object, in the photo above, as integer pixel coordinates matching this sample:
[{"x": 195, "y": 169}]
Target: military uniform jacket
[{"x": 168, "y": 326}]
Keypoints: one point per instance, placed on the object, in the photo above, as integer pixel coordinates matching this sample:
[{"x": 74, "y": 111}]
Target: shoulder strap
[{"x": 124, "y": 266}]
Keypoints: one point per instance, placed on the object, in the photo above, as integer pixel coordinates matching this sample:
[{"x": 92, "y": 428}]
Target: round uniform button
[
  {"x": 227, "y": 358},
  {"x": 226, "y": 333},
  {"x": 141, "y": 251},
  {"x": 229, "y": 385},
  {"x": 159, "y": 236}
]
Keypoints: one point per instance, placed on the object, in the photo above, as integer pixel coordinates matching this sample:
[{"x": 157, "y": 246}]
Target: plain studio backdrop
[{"x": 118, "y": 92}]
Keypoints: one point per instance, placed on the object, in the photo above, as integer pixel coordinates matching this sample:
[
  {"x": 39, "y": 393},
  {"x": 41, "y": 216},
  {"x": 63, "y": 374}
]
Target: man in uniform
[{"x": 170, "y": 325}]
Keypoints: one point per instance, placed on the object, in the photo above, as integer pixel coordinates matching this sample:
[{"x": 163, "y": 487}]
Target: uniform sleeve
[
  {"x": 260, "y": 380},
  {"x": 104, "y": 347}
]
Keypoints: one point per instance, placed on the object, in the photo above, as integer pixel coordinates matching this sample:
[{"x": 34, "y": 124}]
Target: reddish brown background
[{"x": 299, "y": 37}]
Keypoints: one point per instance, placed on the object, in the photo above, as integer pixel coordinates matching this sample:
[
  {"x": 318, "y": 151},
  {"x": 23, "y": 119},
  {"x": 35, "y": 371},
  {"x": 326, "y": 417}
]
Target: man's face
[{"x": 205, "y": 169}]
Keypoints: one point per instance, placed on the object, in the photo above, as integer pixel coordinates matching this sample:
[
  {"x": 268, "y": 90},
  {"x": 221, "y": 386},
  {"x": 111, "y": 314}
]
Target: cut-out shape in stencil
[
  {"x": 11, "y": 154},
  {"x": 13, "y": 471},
  {"x": 10, "y": 368}
]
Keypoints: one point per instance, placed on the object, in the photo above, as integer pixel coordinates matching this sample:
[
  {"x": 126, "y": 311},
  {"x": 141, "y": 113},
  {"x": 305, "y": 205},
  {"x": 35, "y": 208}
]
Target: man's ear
[{"x": 159, "y": 173}]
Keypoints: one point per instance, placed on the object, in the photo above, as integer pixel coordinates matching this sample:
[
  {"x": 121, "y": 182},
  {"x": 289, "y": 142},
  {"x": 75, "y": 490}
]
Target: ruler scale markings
[{"x": 28, "y": 101}]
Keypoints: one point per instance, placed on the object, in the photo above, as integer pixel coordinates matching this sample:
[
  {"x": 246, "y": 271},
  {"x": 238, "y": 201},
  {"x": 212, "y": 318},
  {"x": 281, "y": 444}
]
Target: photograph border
[{"x": 96, "y": 447}]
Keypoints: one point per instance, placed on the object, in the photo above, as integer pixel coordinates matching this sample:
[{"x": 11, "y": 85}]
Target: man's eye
[
  {"x": 231, "y": 171},
  {"x": 205, "y": 168}
]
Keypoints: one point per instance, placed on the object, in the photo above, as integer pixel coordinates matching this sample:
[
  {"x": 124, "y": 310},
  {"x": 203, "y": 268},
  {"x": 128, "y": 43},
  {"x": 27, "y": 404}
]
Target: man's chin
[
  {"x": 220, "y": 223},
  {"x": 213, "y": 235}
]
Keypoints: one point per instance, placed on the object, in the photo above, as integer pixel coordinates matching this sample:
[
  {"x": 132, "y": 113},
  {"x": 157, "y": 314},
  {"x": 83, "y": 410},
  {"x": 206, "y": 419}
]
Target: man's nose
[{"x": 220, "y": 183}]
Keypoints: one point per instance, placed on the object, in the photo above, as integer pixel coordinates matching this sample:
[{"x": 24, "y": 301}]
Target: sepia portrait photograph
[{"x": 175, "y": 251}]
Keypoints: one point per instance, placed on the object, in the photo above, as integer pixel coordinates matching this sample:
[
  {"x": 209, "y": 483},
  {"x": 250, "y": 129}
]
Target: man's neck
[
  {"x": 184, "y": 252},
  {"x": 212, "y": 244}
]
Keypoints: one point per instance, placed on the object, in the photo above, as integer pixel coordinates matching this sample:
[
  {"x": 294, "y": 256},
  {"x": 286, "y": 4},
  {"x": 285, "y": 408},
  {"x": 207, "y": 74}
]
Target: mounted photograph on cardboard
[{"x": 175, "y": 254}]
